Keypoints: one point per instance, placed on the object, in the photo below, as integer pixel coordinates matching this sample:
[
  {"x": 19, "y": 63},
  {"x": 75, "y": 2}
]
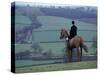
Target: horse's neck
[{"x": 67, "y": 33}]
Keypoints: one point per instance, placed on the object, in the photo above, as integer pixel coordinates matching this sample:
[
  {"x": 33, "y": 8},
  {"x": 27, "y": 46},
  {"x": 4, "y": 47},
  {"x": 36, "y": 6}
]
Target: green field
[
  {"x": 50, "y": 31},
  {"x": 57, "y": 48},
  {"x": 53, "y": 23},
  {"x": 54, "y": 35},
  {"x": 59, "y": 67}
]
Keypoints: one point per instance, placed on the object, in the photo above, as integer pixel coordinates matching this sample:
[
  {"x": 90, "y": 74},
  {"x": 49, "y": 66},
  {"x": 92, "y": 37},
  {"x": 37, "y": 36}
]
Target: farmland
[
  {"x": 38, "y": 30},
  {"x": 53, "y": 33}
]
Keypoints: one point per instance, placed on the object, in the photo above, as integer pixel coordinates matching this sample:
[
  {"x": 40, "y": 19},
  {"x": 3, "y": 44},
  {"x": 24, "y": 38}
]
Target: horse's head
[{"x": 63, "y": 34}]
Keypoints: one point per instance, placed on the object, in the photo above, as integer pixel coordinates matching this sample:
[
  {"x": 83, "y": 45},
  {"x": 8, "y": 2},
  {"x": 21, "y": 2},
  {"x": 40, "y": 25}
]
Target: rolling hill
[{"x": 50, "y": 31}]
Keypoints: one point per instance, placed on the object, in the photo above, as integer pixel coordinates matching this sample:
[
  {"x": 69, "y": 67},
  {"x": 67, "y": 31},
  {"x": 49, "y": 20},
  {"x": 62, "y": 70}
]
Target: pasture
[
  {"x": 50, "y": 32},
  {"x": 47, "y": 38}
]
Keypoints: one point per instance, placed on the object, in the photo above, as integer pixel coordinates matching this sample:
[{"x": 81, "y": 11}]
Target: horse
[{"x": 76, "y": 42}]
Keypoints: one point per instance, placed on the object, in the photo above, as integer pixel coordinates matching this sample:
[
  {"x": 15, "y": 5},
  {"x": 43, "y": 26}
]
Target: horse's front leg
[
  {"x": 79, "y": 54},
  {"x": 69, "y": 55}
]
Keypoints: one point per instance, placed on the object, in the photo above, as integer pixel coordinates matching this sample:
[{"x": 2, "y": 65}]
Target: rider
[{"x": 73, "y": 30}]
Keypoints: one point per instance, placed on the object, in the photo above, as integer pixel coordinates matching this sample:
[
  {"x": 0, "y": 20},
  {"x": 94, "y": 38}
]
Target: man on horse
[
  {"x": 73, "y": 41},
  {"x": 73, "y": 30}
]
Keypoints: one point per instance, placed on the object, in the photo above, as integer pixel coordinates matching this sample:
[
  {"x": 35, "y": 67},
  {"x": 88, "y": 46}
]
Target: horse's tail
[{"x": 85, "y": 47}]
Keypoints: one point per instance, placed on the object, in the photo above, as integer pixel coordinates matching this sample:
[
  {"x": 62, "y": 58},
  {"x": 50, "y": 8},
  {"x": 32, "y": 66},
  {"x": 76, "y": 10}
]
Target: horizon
[{"x": 39, "y": 4}]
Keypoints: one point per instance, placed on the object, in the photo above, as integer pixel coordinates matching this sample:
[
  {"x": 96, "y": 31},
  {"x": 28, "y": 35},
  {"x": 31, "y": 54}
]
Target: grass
[{"x": 58, "y": 67}]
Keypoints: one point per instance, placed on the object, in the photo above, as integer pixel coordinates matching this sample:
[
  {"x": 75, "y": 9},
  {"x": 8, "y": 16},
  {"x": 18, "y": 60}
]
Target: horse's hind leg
[{"x": 79, "y": 54}]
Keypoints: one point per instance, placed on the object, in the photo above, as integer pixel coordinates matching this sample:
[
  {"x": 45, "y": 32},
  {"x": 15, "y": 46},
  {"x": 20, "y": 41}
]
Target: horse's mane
[{"x": 67, "y": 32}]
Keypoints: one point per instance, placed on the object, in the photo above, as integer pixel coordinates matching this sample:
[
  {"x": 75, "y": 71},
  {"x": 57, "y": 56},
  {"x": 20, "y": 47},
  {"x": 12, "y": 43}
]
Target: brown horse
[{"x": 75, "y": 42}]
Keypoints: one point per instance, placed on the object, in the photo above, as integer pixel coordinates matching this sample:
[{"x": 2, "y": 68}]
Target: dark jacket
[{"x": 73, "y": 31}]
